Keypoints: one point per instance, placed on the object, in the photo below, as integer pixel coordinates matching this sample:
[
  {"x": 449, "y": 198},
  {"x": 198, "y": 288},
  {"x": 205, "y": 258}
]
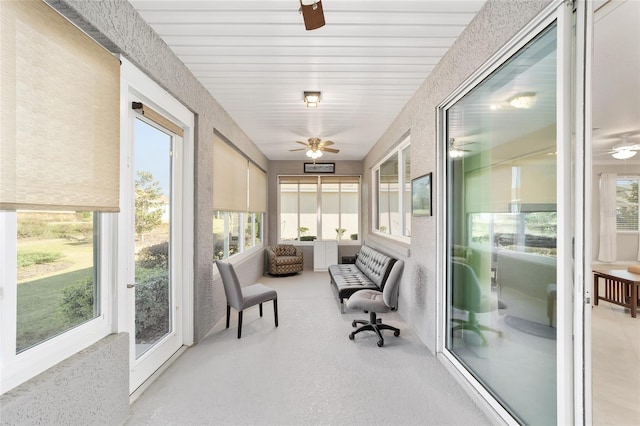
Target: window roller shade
[
  {"x": 229, "y": 178},
  {"x": 157, "y": 118},
  {"x": 59, "y": 142},
  {"x": 257, "y": 189}
]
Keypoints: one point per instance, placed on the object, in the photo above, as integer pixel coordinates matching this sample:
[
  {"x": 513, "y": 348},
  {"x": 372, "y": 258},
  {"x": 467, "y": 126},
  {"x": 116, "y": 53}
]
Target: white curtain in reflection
[{"x": 607, "y": 252}]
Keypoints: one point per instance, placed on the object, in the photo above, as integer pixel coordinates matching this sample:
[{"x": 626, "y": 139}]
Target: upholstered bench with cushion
[{"x": 370, "y": 271}]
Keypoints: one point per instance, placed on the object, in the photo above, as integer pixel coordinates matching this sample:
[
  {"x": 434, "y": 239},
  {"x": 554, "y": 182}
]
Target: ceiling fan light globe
[
  {"x": 623, "y": 154},
  {"x": 314, "y": 154},
  {"x": 456, "y": 153}
]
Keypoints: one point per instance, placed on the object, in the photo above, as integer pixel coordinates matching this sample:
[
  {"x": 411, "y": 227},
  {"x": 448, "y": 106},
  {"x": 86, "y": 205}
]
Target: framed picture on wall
[
  {"x": 319, "y": 167},
  {"x": 421, "y": 196}
]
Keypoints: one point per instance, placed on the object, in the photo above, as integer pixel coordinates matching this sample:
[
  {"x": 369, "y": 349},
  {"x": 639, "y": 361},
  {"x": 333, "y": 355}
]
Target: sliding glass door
[{"x": 505, "y": 171}]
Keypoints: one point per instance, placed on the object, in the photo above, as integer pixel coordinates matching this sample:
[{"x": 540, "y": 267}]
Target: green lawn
[
  {"x": 39, "y": 313},
  {"x": 40, "y": 287},
  {"x": 77, "y": 255}
]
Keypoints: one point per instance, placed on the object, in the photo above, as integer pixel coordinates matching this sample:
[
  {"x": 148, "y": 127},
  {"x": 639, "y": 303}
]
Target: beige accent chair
[{"x": 284, "y": 259}]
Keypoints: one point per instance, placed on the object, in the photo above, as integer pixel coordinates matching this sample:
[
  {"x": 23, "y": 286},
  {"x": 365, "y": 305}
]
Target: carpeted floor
[{"x": 305, "y": 372}]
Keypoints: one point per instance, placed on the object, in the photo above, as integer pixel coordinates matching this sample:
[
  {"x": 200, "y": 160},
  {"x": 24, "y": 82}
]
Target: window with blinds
[
  {"x": 627, "y": 203},
  {"x": 57, "y": 152},
  {"x": 239, "y": 201},
  {"x": 319, "y": 207},
  {"x": 59, "y": 171}
]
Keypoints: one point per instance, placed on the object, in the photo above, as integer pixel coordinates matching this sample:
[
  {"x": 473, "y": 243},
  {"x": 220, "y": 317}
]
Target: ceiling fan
[
  {"x": 315, "y": 147},
  {"x": 456, "y": 149},
  {"x": 625, "y": 150}
]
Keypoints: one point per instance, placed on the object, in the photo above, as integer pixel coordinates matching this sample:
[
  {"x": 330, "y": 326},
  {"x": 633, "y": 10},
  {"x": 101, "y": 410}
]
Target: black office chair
[
  {"x": 467, "y": 295},
  {"x": 375, "y": 302},
  {"x": 242, "y": 298}
]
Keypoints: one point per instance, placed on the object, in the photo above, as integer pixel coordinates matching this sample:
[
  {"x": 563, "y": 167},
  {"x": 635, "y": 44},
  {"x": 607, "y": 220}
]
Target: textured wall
[
  {"x": 494, "y": 26},
  {"x": 117, "y": 25},
  {"x": 89, "y": 388}
]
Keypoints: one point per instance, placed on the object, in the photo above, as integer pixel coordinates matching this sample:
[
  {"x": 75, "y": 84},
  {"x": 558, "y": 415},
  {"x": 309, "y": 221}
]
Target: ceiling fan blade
[
  {"x": 325, "y": 143},
  {"x": 298, "y": 149},
  {"x": 302, "y": 143},
  {"x": 621, "y": 135},
  {"x": 331, "y": 150}
]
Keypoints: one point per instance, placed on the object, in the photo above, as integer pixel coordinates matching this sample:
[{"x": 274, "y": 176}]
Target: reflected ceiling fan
[
  {"x": 456, "y": 149},
  {"x": 315, "y": 147},
  {"x": 625, "y": 149}
]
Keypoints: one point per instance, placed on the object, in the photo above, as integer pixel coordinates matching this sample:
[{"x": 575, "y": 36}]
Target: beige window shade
[
  {"x": 257, "y": 189},
  {"x": 340, "y": 179},
  {"x": 59, "y": 142},
  {"x": 157, "y": 118},
  {"x": 298, "y": 179},
  {"x": 229, "y": 177}
]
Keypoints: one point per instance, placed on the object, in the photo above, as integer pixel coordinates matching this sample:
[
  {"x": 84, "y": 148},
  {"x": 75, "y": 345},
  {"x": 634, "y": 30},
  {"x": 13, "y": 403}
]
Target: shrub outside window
[{"x": 235, "y": 233}]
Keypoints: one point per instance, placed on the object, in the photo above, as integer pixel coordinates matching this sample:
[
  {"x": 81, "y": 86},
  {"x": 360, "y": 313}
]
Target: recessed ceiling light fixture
[
  {"x": 522, "y": 100},
  {"x": 312, "y": 99}
]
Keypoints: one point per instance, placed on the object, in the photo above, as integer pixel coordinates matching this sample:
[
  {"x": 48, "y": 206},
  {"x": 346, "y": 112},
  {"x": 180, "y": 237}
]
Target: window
[
  {"x": 319, "y": 207},
  {"x": 239, "y": 201},
  {"x": 231, "y": 238},
  {"x": 59, "y": 163},
  {"x": 627, "y": 203},
  {"x": 531, "y": 232},
  {"x": 339, "y": 197},
  {"x": 57, "y": 274},
  {"x": 392, "y": 183}
]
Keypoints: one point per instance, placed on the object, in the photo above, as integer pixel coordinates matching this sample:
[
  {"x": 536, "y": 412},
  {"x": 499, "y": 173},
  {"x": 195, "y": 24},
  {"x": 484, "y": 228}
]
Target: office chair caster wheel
[
  {"x": 351, "y": 335},
  {"x": 353, "y": 324},
  {"x": 396, "y": 333},
  {"x": 380, "y": 343}
]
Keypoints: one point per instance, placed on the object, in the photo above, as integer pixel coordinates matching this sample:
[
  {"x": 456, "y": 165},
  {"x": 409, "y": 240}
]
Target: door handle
[{"x": 131, "y": 285}]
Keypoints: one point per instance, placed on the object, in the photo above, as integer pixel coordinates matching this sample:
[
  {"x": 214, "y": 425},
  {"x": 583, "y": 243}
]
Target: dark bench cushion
[
  {"x": 369, "y": 272},
  {"x": 375, "y": 265},
  {"x": 349, "y": 279}
]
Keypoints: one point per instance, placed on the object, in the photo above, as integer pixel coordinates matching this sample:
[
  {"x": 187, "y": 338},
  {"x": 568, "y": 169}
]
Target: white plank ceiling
[{"x": 257, "y": 59}]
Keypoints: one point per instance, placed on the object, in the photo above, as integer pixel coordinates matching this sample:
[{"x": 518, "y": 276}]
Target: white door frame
[
  {"x": 583, "y": 407},
  {"x": 136, "y": 86}
]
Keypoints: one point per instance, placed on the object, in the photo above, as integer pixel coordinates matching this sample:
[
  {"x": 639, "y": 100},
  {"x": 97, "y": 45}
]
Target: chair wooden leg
[
  {"x": 228, "y": 314},
  {"x": 239, "y": 324},
  {"x": 275, "y": 310},
  {"x": 261, "y": 309}
]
